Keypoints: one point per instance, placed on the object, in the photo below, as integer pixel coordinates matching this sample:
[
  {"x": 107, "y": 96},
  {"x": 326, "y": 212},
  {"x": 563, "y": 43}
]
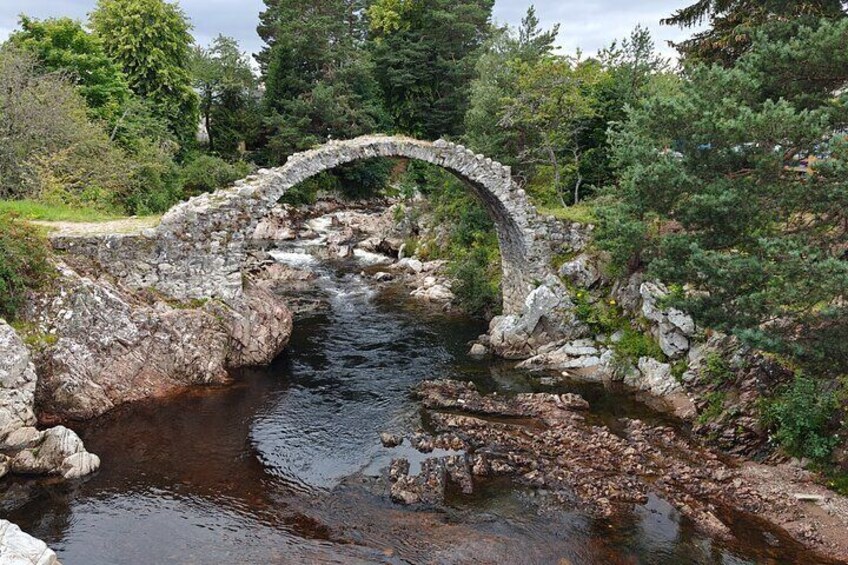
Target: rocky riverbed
[
  {"x": 521, "y": 426},
  {"x": 550, "y": 443}
]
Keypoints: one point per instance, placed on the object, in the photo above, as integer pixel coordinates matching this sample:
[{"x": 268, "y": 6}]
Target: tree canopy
[
  {"x": 714, "y": 197},
  {"x": 425, "y": 53},
  {"x": 151, "y": 41},
  {"x": 62, "y": 45}
]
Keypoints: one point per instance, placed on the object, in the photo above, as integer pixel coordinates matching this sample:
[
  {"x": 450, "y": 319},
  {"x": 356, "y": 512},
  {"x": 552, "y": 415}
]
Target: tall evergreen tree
[
  {"x": 734, "y": 23},
  {"x": 151, "y": 40},
  {"x": 425, "y": 52},
  {"x": 318, "y": 79},
  {"x": 716, "y": 199}
]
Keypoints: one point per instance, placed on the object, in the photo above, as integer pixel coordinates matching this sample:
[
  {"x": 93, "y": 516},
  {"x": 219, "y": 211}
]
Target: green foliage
[
  {"x": 24, "y": 265},
  {"x": 759, "y": 247},
  {"x": 601, "y": 317},
  {"x": 207, "y": 173},
  {"x": 466, "y": 239},
  {"x": 553, "y": 107},
  {"x": 678, "y": 369},
  {"x": 716, "y": 370},
  {"x": 49, "y": 149},
  {"x": 476, "y": 286},
  {"x": 496, "y": 82},
  {"x": 715, "y": 406},
  {"x": 229, "y": 96},
  {"x": 34, "y": 210},
  {"x": 151, "y": 41},
  {"x": 425, "y": 53},
  {"x": 734, "y": 24},
  {"x": 319, "y": 80},
  {"x": 62, "y": 45},
  {"x": 583, "y": 213},
  {"x": 361, "y": 179},
  {"x": 801, "y": 417},
  {"x": 635, "y": 344},
  {"x": 155, "y": 183}
]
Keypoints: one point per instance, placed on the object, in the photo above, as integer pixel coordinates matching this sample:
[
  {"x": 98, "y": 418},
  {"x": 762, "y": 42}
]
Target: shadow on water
[{"x": 283, "y": 465}]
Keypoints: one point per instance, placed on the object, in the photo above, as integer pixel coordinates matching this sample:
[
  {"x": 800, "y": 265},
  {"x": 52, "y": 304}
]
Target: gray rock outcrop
[
  {"x": 547, "y": 316},
  {"x": 673, "y": 328},
  {"x": 20, "y": 548},
  {"x": 654, "y": 377},
  {"x": 107, "y": 346},
  {"x": 17, "y": 383},
  {"x": 23, "y": 448}
]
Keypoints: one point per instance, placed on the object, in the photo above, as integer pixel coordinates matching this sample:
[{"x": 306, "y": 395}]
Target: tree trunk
[{"x": 579, "y": 175}]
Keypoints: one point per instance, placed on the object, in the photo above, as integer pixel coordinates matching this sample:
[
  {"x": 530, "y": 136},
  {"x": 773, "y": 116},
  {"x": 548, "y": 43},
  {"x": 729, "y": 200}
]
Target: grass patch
[
  {"x": 715, "y": 406},
  {"x": 716, "y": 370},
  {"x": 32, "y": 210},
  {"x": 582, "y": 213}
]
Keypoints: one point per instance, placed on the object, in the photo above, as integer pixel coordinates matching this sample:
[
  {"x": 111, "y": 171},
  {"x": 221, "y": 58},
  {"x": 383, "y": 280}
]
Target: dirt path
[{"x": 79, "y": 229}]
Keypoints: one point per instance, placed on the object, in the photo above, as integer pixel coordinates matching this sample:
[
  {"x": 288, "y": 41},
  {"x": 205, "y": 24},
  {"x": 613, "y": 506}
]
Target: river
[{"x": 284, "y": 466}]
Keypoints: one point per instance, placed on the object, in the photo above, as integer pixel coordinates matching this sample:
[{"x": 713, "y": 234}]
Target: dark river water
[{"x": 283, "y": 466}]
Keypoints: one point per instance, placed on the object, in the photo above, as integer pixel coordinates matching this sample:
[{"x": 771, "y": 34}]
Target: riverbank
[{"x": 331, "y": 261}]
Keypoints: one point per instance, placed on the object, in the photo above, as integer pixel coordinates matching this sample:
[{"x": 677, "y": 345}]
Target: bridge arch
[{"x": 202, "y": 243}]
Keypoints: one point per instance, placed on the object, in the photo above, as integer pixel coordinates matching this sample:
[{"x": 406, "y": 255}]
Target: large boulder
[
  {"x": 108, "y": 346},
  {"x": 20, "y": 548},
  {"x": 672, "y": 328},
  {"x": 654, "y": 377},
  {"x": 581, "y": 271},
  {"x": 25, "y": 449},
  {"x": 56, "y": 451},
  {"x": 260, "y": 328},
  {"x": 547, "y": 316}
]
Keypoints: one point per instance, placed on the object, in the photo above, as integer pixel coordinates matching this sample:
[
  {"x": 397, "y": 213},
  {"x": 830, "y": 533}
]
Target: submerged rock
[{"x": 390, "y": 440}]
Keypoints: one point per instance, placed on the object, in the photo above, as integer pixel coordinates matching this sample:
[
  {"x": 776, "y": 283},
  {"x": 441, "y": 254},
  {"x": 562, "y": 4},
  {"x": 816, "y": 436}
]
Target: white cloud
[{"x": 588, "y": 25}]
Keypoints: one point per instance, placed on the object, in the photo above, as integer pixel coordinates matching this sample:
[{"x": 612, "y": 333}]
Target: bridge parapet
[{"x": 200, "y": 246}]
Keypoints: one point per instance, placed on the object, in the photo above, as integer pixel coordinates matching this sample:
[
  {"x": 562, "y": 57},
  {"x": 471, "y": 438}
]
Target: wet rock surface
[{"x": 547, "y": 441}]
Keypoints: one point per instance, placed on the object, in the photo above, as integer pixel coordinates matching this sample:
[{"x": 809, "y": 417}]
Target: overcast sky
[{"x": 588, "y": 25}]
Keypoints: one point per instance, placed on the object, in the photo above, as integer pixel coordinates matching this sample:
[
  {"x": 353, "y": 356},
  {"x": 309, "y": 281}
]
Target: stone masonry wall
[{"x": 198, "y": 249}]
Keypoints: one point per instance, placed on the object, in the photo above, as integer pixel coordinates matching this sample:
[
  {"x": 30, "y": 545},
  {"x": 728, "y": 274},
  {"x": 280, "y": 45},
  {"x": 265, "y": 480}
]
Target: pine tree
[{"x": 425, "y": 52}]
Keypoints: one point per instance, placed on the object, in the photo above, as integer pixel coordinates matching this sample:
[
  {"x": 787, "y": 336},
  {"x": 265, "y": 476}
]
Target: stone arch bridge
[{"x": 199, "y": 247}]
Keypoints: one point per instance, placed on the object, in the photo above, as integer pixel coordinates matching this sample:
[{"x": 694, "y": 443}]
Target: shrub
[
  {"x": 155, "y": 179},
  {"x": 207, "y": 173},
  {"x": 801, "y": 418},
  {"x": 476, "y": 283},
  {"x": 715, "y": 406},
  {"x": 632, "y": 346},
  {"x": 24, "y": 264}
]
